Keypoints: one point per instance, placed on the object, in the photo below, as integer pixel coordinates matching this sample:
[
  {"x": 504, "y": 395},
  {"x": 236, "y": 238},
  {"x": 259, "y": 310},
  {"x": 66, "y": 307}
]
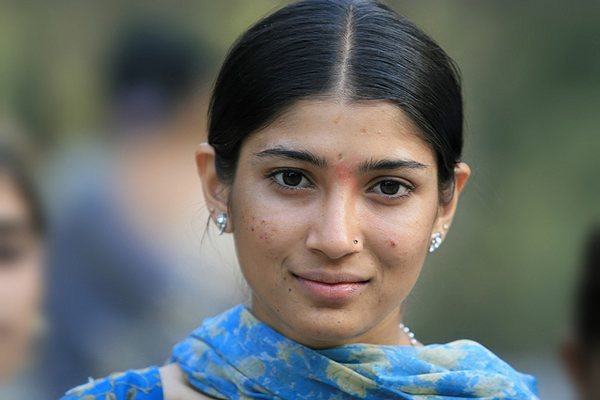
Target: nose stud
[{"x": 355, "y": 241}]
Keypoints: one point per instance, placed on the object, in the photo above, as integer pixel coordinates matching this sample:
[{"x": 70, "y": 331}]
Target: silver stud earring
[
  {"x": 436, "y": 241},
  {"x": 222, "y": 222}
]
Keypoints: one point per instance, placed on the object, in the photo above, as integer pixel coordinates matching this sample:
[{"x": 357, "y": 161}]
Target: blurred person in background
[
  {"x": 124, "y": 267},
  {"x": 22, "y": 248},
  {"x": 581, "y": 351}
]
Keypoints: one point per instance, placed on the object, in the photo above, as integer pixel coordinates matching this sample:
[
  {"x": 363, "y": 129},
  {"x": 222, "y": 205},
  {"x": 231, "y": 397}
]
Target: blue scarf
[{"x": 235, "y": 356}]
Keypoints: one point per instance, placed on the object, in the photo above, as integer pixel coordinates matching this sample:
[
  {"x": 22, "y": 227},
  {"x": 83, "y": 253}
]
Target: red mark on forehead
[{"x": 342, "y": 172}]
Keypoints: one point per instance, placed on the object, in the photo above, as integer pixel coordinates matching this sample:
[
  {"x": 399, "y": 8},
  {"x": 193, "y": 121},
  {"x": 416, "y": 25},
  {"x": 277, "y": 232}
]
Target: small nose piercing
[{"x": 355, "y": 241}]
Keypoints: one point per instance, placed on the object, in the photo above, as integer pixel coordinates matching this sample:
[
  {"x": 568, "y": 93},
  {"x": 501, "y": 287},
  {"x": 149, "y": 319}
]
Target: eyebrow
[
  {"x": 368, "y": 166},
  {"x": 299, "y": 155},
  {"x": 379, "y": 165}
]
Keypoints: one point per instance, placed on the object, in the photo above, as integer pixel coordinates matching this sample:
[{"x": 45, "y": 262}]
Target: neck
[{"x": 386, "y": 333}]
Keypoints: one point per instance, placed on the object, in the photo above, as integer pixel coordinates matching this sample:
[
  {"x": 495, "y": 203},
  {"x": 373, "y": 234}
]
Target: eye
[
  {"x": 391, "y": 188},
  {"x": 291, "y": 179}
]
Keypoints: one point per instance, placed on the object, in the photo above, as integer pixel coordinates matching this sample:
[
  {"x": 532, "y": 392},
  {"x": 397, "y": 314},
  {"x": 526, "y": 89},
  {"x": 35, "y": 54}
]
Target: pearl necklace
[{"x": 411, "y": 336}]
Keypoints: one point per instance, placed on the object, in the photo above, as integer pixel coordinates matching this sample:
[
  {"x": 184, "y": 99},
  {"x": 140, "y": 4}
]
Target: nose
[{"x": 336, "y": 232}]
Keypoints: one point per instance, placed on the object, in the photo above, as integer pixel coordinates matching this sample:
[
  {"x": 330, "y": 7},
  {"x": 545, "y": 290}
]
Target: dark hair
[
  {"x": 587, "y": 305},
  {"x": 356, "y": 50},
  {"x": 158, "y": 63},
  {"x": 12, "y": 166}
]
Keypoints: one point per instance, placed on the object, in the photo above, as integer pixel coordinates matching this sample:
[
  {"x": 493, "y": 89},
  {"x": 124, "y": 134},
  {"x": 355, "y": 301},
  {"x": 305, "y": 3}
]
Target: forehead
[{"x": 375, "y": 129}]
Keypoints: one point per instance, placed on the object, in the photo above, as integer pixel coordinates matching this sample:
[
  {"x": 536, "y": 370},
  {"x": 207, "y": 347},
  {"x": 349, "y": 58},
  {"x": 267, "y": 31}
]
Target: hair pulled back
[{"x": 353, "y": 50}]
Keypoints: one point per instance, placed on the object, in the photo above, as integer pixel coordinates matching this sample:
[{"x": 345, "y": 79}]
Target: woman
[
  {"x": 335, "y": 136},
  {"x": 21, "y": 273}
]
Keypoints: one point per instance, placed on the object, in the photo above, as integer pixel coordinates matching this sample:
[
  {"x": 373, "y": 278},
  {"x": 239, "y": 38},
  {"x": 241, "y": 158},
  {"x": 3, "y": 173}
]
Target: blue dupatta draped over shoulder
[{"x": 235, "y": 356}]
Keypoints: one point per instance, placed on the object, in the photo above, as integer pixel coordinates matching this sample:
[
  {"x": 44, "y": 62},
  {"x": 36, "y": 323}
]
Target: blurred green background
[{"x": 531, "y": 73}]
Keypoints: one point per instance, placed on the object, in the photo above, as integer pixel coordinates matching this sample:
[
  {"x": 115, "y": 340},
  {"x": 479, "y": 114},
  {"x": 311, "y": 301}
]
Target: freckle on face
[{"x": 271, "y": 239}]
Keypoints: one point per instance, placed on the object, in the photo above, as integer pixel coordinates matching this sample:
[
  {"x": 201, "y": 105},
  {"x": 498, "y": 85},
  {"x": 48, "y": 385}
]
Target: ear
[
  {"x": 446, "y": 211},
  {"x": 216, "y": 193}
]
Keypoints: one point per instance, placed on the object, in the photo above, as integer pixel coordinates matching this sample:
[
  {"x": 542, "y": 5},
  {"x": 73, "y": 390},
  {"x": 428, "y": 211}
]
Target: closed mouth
[
  {"x": 330, "y": 287},
  {"x": 330, "y": 279}
]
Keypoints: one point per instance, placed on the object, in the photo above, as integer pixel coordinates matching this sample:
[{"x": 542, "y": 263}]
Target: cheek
[
  {"x": 257, "y": 228},
  {"x": 401, "y": 240},
  {"x": 263, "y": 234},
  {"x": 21, "y": 292},
  {"x": 402, "y": 237}
]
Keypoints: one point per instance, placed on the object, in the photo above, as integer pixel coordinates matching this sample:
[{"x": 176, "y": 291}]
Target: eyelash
[
  {"x": 271, "y": 175},
  {"x": 409, "y": 189}
]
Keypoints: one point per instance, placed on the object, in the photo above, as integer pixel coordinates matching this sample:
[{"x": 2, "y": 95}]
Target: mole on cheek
[{"x": 392, "y": 243}]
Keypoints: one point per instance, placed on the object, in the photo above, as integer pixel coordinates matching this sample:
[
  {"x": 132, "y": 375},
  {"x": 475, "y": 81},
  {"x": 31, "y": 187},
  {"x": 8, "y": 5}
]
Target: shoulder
[
  {"x": 176, "y": 386},
  {"x": 141, "y": 384}
]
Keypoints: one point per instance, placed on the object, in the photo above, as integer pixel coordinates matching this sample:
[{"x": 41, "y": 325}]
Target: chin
[{"x": 327, "y": 329}]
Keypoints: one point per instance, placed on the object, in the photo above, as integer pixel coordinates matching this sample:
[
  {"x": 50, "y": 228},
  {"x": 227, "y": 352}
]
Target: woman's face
[
  {"x": 332, "y": 210},
  {"x": 20, "y": 278}
]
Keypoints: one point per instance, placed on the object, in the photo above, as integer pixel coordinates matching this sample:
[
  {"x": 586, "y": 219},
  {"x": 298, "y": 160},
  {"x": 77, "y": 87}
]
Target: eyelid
[
  {"x": 410, "y": 188},
  {"x": 278, "y": 170},
  {"x": 275, "y": 171},
  {"x": 381, "y": 178}
]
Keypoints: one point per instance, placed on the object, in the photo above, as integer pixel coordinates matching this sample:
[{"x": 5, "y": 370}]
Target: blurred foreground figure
[
  {"x": 21, "y": 276},
  {"x": 124, "y": 267},
  {"x": 581, "y": 352}
]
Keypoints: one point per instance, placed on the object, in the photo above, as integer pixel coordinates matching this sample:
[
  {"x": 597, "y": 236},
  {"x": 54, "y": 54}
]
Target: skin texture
[
  {"x": 20, "y": 280},
  {"x": 291, "y": 238}
]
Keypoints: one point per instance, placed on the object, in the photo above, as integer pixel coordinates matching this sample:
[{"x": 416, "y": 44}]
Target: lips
[{"x": 332, "y": 287}]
